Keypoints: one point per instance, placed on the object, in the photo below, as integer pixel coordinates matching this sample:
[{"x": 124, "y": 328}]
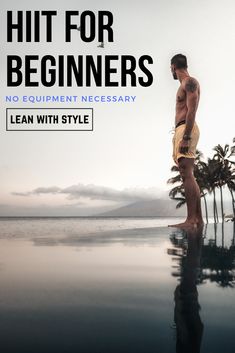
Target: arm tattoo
[{"x": 191, "y": 85}]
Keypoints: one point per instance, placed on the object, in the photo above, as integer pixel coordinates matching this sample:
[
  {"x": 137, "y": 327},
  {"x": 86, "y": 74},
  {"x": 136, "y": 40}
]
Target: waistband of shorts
[{"x": 180, "y": 123}]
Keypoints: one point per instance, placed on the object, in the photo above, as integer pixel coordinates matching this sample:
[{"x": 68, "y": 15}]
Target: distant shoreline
[{"x": 95, "y": 217}]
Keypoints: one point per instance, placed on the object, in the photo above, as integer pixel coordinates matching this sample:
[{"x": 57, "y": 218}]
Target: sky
[{"x": 128, "y": 156}]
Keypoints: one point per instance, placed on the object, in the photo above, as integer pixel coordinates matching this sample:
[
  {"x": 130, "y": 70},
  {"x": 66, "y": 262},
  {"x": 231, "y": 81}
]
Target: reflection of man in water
[
  {"x": 189, "y": 328},
  {"x": 186, "y": 137}
]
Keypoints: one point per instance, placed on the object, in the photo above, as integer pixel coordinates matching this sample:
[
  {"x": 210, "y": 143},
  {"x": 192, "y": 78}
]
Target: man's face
[{"x": 173, "y": 72}]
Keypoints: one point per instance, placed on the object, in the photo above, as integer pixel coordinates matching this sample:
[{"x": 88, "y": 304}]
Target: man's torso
[{"x": 181, "y": 99}]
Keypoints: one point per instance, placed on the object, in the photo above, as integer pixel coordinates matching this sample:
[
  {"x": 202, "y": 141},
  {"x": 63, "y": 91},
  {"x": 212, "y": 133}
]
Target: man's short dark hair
[{"x": 180, "y": 61}]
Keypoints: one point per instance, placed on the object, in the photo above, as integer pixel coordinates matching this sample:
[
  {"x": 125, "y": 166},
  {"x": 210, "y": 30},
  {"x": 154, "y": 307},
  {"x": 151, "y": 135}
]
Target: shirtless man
[{"x": 186, "y": 137}]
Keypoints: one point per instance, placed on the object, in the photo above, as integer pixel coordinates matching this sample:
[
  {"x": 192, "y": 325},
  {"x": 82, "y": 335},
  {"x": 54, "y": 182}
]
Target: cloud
[
  {"x": 21, "y": 193},
  {"x": 51, "y": 190},
  {"x": 40, "y": 190},
  {"x": 96, "y": 192}
]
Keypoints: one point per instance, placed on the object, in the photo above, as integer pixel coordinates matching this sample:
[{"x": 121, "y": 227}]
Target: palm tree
[
  {"x": 231, "y": 176},
  {"x": 179, "y": 189},
  {"x": 181, "y": 199},
  {"x": 201, "y": 178},
  {"x": 225, "y": 171},
  {"x": 217, "y": 172},
  {"x": 208, "y": 174}
]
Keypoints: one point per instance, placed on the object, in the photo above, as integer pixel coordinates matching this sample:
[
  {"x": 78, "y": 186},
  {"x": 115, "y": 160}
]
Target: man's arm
[
  {"x": 191, "y": 89},
  {"x": 192, "y": 95}
]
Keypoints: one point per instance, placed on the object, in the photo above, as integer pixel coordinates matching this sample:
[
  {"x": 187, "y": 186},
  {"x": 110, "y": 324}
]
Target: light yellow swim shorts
[{"x": 178, "y": 136}]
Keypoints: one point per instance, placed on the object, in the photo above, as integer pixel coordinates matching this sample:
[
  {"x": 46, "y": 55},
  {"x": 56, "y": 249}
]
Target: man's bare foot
[{"x": 188, "y": 224}]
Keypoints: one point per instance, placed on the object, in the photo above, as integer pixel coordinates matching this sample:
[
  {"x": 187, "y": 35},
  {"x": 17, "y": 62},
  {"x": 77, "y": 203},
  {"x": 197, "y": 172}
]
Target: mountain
[{"x": 158, "y": 208}]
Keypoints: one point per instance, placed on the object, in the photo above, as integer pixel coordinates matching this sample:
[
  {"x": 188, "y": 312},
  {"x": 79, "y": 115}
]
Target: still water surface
[{"x": 115, "y": 285}]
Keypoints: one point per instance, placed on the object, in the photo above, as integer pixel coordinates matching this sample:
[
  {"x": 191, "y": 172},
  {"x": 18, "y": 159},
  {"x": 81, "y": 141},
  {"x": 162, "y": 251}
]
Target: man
[{"x": 186, "y": 137}]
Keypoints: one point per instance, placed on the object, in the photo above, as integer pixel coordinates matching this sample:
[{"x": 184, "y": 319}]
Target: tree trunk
[
  {"x": 221, "y": 202},
  {"x": 215, "y": 208},
  {"x": 216, "y": 211},
  {"x": 233, "y": 242},
  {"x": 215, "y": 230},
  {"x": 204, "y": 198},
  {"x": 222, "y": 229},
  {"x": 233, "y": 201}
]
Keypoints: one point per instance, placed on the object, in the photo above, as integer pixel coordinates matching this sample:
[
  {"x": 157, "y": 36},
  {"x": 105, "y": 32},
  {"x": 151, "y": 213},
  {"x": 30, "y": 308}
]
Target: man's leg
[{"x": 192, "y": 193}]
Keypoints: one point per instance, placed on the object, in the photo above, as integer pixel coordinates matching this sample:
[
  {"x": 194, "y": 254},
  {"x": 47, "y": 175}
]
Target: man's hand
[{"x": 183, "y": 146}]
